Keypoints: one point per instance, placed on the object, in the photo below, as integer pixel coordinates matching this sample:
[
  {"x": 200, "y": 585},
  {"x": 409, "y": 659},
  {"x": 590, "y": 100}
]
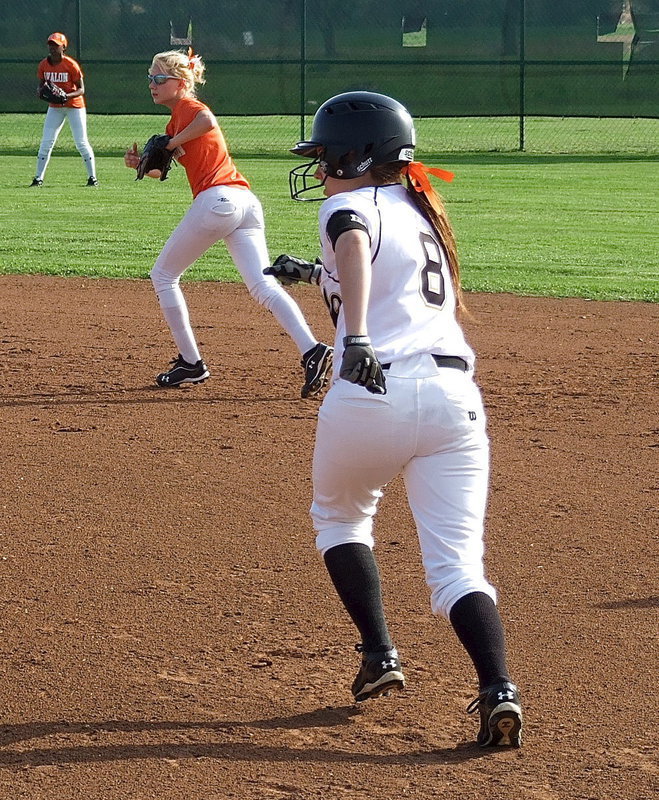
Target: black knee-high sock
[
  {"x": 477, "y": 623},
  {"x": 356, "y": 578}
]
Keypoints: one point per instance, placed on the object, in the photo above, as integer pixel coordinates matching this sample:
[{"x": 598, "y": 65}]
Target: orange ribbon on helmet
[{"x": 418, "y": 172}]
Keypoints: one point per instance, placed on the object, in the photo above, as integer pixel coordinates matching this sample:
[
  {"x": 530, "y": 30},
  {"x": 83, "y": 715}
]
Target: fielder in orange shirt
[
  {"x": 223, "y": 208},
  {"x": 64, "y": 72}
]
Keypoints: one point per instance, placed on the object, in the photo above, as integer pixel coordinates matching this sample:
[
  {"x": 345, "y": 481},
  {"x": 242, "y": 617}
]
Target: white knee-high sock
[
  {"x": 90, "y": 164},
  {"x": 175, "y": 312},
  {"x": 288, "y": 315}
]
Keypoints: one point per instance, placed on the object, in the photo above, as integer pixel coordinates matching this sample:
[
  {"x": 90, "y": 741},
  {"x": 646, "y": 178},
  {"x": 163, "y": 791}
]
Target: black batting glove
[
  {"x": 360, "y": 365},
  {"x": 289, "y": 269}
]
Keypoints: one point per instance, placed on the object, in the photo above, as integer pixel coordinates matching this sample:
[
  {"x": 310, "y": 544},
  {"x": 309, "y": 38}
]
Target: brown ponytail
[{"x": 431, "y": 206}]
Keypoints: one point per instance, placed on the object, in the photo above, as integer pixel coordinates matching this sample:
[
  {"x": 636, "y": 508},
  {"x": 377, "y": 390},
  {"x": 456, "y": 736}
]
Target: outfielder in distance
[
  {"x": 403, "y": 398},
  {"x": 223, "y": 208},
  {"x": 62, "y": 86}
]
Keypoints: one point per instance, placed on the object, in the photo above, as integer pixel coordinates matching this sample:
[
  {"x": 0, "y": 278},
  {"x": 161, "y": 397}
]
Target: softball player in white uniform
[{"x": 403, "y": 399}]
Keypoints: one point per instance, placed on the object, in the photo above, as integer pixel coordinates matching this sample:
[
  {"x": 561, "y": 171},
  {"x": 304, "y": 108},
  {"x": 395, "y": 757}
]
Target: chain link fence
[{"x": 478, "y": 75}]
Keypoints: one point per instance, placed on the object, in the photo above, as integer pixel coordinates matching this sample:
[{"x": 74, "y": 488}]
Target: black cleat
[
  {"x": 92, "y": 181},
  {"x": 183, "y": 372},
  {"x": 501, "y": 715},
  {"x": 36, "y": 182},
  {"x": 316, "y": 363},
  {"x": 378, "y": 674}
]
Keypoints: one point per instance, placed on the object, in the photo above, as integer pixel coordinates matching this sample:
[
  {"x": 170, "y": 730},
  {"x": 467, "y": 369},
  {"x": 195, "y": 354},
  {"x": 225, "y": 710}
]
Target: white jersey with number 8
[{"x": 411, "y": 307}]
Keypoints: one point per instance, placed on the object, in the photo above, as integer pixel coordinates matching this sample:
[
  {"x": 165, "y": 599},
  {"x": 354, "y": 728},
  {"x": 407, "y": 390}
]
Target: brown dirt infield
[{"x": 168, "y": 631}]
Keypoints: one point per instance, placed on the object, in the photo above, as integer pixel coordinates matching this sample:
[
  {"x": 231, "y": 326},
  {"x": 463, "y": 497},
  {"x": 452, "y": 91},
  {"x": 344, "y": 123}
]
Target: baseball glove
[
  {"x": 52, "y": 93},
  {"x": 155, "y": 156},
  {"x": 289, "y": 269}
]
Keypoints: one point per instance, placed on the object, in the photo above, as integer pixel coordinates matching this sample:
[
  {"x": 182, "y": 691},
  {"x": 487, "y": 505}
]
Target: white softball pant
[
  {"x": 430, "y": 426},
  {"x": 53, "y": 124},
  {"x": 234, "y": 215}
]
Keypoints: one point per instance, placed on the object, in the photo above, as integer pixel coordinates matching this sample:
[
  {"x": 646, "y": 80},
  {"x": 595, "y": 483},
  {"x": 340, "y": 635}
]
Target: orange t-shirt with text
[
  {"x": 66, "y": 75},
  {"x": 206, "y": 159}
]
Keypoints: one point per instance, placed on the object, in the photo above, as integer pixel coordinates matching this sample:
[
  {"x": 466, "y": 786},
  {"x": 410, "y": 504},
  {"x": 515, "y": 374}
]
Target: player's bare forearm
[
  {"x": 201, "y": 124},
  {"x": 353, "y": 263}
]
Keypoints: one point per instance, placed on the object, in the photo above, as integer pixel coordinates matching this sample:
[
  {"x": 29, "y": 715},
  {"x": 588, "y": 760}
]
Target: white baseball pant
[
  {"x": 53, "y": 123},
  {"x": 234, "y": 215},
  {"x": 430, "y": 426}
]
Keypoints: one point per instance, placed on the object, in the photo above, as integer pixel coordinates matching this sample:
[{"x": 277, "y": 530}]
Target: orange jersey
[
  {"x": 206, "y": 159},
  {"x": 66, "y": 75}
]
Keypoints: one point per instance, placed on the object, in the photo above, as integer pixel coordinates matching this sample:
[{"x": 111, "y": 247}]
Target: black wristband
[{"x": 364, "y": 341}]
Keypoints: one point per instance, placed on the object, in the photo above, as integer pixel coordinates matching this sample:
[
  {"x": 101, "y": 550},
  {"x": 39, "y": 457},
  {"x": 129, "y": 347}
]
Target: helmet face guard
[
  {"x": 302, "y": 181},
  {"x": 351, "y": 133}
]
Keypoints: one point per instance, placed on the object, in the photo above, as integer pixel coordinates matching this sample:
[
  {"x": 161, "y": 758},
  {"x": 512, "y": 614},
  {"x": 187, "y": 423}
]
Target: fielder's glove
[
  {"x": 360, "y": 364},
  {"x": 155, "y": 156},
  {"x": 52, "y": 93},
  {"x": 288, "y": 270}
]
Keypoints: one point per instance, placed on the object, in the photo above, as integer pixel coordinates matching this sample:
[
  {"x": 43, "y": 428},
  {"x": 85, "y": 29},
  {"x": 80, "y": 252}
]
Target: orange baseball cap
[{"x": 58, "y": 38}]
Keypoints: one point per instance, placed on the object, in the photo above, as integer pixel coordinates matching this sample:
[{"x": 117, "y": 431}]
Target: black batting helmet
[{"x": 353, "y": 132}]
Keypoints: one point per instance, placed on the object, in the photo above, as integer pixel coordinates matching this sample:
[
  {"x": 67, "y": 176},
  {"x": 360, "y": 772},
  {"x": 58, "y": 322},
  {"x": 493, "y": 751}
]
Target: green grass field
[
  {"x": 274, "y": 135},
  {"x": 583, "y": 226}
]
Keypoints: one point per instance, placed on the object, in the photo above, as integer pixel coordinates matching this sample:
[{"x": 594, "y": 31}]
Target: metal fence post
[
  {"x": 522, "y": 70},
  {"x": 303, "y": 64},
  {"x": 78, "y": 30}
]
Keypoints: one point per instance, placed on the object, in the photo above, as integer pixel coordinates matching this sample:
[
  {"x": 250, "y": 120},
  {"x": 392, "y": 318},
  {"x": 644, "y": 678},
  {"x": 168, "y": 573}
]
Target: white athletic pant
[
  {"x": 235, "y": 215},
  {"x": 53, "y": 123},
  {"x": 430, "y": 426}
]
